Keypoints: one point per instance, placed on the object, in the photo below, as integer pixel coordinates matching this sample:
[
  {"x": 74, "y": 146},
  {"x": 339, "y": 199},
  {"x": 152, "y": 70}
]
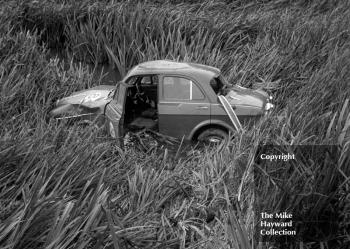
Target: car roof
[{"x": 173, "y": 67}]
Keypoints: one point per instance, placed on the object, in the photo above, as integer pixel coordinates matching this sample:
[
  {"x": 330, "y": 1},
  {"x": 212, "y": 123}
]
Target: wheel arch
[{"x": 218, "y": 124}]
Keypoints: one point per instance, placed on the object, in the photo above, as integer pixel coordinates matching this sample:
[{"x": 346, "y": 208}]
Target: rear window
[
  {"x": 220, "y": 85},
  {"x": 120, "y": 96},
  {"x": 216, "y": 84}
]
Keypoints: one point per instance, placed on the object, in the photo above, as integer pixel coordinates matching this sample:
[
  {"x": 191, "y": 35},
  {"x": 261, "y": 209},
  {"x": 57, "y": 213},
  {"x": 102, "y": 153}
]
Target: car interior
[{"x": 141, "y": 103}]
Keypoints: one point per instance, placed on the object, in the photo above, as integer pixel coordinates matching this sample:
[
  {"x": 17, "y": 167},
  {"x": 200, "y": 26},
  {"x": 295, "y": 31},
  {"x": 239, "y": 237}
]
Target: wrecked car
[{"x": 176, "y": 99}]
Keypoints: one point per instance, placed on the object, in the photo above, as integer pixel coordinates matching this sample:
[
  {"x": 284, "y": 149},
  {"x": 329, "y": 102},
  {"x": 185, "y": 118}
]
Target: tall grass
[{"x": 65, "y": 187}]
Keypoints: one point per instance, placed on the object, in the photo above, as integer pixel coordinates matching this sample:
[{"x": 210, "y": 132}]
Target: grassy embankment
[{"x": 64, "y": 189}]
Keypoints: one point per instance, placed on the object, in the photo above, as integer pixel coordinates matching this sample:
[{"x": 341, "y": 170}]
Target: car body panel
[
  {"x": 90, "y": 97},
  {"x": 114, "y": 110},
  {"x": 177, "y": 118},
  {"x": 90, "y": 101},
  {"x": 182, "y": 123},
  {"x": 243, "y": 97}
]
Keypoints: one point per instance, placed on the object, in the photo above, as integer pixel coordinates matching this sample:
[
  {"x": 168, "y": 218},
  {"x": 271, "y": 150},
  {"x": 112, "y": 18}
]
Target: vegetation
[{"x": 66, "y": 187}]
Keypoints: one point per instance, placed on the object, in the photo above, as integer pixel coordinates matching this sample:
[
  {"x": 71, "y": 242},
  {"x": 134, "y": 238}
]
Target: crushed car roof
[{"x": 171, "y": 67}]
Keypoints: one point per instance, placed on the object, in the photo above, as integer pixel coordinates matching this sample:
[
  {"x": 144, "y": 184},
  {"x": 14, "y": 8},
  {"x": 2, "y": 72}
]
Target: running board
[{"x": 231, "y": 113}]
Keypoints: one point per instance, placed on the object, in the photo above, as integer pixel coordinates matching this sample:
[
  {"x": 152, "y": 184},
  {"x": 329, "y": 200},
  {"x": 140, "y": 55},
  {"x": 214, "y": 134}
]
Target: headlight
[
  {"x": 268, "y": 106},
  {"x": 270, "y": 97}
]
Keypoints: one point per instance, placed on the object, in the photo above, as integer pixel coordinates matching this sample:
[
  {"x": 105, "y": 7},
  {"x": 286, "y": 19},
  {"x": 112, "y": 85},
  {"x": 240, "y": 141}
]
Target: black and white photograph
[{"x": 175, "y": 124}]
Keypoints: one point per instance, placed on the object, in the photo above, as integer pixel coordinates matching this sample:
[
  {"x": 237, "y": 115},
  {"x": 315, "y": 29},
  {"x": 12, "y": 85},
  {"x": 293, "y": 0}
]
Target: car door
[
  {"x": 182, "y": 105},
  {"x": 115, "y": 112}
]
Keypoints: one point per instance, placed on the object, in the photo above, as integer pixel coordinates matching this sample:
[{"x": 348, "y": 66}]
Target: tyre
[{"x": 213, "y": 136}]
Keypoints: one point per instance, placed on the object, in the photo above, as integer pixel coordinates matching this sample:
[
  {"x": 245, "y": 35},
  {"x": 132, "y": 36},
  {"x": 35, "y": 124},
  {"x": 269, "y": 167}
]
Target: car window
[
  {"x": 155, "y": 80},
  {"x": 146, "y": 80},
  {"x": 216, "y": 85},
  {"x": 177, "y": 88},
  {"x": 196, "y": 92},
  {"x": 143, "y": 80},
  {"x": 131, "y": 80},
  {"x": 220, "y": 85}
]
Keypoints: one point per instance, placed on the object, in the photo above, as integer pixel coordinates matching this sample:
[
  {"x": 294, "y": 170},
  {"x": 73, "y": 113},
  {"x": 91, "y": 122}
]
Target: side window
[{"x": 177, "y": 88}]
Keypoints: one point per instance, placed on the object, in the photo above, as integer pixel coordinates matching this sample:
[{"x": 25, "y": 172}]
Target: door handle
[{"x": 202, "y": 107}]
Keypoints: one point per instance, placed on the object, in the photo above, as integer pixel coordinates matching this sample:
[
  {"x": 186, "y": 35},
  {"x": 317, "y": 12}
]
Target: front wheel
[{"x": 213, "y": 136}]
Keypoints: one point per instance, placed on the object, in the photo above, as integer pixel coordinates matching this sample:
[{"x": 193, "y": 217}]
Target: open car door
[{"x": 114, "y": 113}]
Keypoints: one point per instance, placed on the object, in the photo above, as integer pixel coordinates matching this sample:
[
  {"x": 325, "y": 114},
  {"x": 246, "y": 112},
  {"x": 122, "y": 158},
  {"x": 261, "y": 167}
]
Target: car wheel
[
  {"x": 111, "y": 130},
  {"x": 213, "y": 136}
]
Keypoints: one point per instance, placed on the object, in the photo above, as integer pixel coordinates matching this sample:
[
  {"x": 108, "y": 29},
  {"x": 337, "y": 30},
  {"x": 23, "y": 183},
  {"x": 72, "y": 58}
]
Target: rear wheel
[{"x": 213, "y": 136}]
